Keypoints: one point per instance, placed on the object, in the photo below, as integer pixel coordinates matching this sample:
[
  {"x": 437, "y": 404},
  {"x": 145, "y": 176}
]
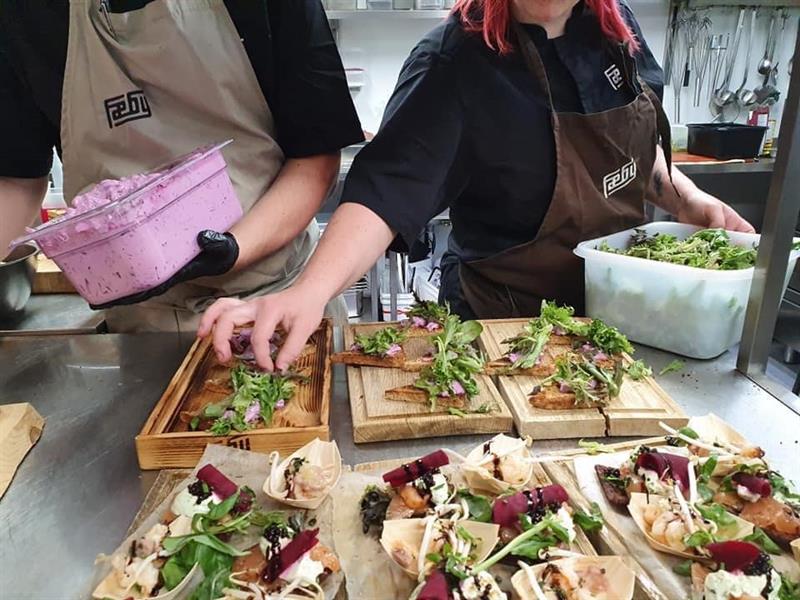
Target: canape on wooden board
[
  {"x": 413, "y": 394},
  {"x": 383, "y": 348},
  {"x": 576, "y": 578},
  {"x": 425, "y": 318},
  {"x": 501, "y": 464},
  {"x": 409, "y": 542},
  {"x": 577, "y": 382},
  {"x": 305, "y": 478}
]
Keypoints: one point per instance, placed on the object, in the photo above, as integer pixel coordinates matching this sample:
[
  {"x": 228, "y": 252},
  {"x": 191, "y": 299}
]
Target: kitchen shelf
[{"x": 336, "y": 15}]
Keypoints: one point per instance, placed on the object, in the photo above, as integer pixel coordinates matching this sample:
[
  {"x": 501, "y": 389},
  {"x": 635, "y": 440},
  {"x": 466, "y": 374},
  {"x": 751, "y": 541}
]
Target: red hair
[{"x": 492, "y": 19}]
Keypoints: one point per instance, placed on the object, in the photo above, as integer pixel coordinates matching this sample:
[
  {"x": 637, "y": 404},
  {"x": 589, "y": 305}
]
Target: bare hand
[
  {"x": 704, "y": 210},
  {"x": 299, "y": 311}
]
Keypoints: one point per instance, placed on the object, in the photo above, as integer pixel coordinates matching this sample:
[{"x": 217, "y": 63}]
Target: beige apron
[{"x": 143, "y": 87}]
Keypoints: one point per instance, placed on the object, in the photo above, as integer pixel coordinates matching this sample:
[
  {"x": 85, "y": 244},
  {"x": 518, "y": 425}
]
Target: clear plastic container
[
  {"x": 694, "y": 312},
  {"x": 141, "y": 239}
]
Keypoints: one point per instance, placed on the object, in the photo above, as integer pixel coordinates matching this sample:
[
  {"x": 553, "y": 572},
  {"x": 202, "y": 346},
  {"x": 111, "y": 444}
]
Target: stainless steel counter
[
  {"x": 54, "y": 314},
  {"x": 79, "y": 487}
]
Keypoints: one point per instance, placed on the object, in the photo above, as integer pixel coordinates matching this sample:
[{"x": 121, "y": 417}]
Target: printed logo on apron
[
  {"x": 614, "y": 76},
  {"x": 619, "y": 178},
  {"x": 126, "y": 107}
]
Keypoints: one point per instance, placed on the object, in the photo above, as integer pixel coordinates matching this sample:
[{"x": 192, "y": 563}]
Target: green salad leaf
[
  {"x": 590, "y": 384},
  {"x": 430, "y": 311},
  {"x": 763, "y": 541},
  {"x": 480, "y": 509},
  {"x": 256, "y": 395},
  {"x": 589, "y": 522},
  {"x": 673, "y": 366},
  {"x": 684, "y": 569},
  {"x": 705, "y": 249},
  {"x": 562, "y": 317},
  {"x": 608, "y": 339},
  {"x": 379, "y": 343},
  {"x": 638, "y": 369},
  {"x": 593, "y": 448},
  {"x": 527, "y": 346}
]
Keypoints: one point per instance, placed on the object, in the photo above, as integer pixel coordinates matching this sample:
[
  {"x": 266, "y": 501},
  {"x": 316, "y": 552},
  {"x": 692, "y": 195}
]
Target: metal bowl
[{"x": 16, "y": 278}]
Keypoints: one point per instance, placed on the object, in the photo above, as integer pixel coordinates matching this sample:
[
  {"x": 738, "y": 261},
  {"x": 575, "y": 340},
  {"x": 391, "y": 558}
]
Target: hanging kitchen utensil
[
  {"x": 669, "y": 44},
  {"x": 747, "y": 98},
  {"x": 677, "y": 71},
  {"x": 701, "y": 56},
  {"x": 719, "y": 46},
  {"x": 723, "y": 96},
  {"x": 765, "y": 65}
]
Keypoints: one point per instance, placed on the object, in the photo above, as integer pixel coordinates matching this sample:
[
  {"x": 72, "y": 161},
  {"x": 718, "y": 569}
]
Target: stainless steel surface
[
  {"x": 78, "y": 489},
  {"x": 745, "y": 97},
  {"x": 394, "y": 280},
  {"x": 765, "y": 64},
  {"x": 75, "y": 493},
  {"x": 50, "y": 314},
  {"x": 783, "y": 203},
  {"x": 16, "y": 279},
  {"x": 724, "y": 96},
  {"x": 761, "y": 165}
]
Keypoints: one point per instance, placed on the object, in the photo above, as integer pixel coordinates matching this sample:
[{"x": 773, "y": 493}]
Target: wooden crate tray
[
  {"x": 377, "y": 419},
  {"x": 637, "y": 410},
  {"x": 165, "y": 441}
]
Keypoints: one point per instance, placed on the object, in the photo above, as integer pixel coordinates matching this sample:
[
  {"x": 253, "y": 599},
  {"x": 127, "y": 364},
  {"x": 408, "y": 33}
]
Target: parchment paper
[{"x": 243, "y": 468}]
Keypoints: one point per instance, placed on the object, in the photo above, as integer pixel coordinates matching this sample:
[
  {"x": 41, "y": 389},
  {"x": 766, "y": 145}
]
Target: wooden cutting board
[
  {"x": 637, "y": 410},
  {"x": 48, "y": 278},
  {"x": 20, "y": 428},
  {"x": 377, "y": 419}
]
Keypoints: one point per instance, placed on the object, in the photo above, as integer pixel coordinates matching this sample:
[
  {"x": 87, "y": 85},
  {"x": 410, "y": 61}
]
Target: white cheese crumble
[
  {"x": 481, "y": 586},
  {"x": 439, "y": 493},
  {"x": 723, "y": 585},
  {"x": 186, "y": 504},
  {"x": 306, "y": 569},
  {"x": 565, "y": 520},
  {"x": 746, "y": 494}
]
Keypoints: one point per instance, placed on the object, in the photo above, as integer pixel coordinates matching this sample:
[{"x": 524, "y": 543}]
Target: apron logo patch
[
  {"x": 614, "y": 76},
  {"x": 126, "y": 107},
  {"x": 618, "y": 179}
]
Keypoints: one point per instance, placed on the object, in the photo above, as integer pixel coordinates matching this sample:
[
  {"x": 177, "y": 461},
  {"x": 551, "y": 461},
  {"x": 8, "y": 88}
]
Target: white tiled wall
[{"x": 381, "y": 45}]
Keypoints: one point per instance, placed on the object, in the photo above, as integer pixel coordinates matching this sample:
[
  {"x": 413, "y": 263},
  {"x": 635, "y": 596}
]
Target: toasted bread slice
[
  {"x": 366, "y": 360},
  {"x": 501, "y": 366},
  {"x": 409, "y": 393},
  {"x": 412, "y": 331},
  {"x": 550, "y": 398},
  {"x": 417, "y": 365}
]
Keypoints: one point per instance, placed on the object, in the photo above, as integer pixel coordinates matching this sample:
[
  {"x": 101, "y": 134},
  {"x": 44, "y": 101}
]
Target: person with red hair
[{"x": 538, "y": 124}]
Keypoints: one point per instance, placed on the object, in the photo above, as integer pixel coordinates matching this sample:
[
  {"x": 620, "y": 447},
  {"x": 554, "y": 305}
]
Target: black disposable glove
[{"x": 218, "y": 254}]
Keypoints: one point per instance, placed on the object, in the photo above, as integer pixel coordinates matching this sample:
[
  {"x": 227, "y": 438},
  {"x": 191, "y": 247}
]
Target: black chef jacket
[
  {"x": 288, "y": 42},
  {"x": 470, "y": 130}
]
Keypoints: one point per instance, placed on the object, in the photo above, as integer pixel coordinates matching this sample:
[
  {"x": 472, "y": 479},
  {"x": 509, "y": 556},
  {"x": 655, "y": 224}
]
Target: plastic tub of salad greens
[{"x": 672, "y": 286}]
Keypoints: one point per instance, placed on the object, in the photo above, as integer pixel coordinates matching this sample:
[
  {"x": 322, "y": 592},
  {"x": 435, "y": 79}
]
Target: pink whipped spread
[{"x": 107, "y": 191}]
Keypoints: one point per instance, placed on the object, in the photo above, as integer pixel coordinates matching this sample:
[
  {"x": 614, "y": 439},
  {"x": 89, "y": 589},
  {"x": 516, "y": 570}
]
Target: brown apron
[
  {"x": 148, "y": 85},
  {"x": 604, "y": 162}
]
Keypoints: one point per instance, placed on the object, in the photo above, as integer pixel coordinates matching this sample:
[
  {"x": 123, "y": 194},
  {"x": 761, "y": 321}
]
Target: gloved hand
[{"x": 218, "y": 254}]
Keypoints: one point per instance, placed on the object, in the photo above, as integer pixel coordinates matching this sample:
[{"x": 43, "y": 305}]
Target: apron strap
[{"x": 533, "y": 61}]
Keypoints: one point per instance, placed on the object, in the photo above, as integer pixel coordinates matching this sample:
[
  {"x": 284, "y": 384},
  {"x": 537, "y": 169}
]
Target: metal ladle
[
  {"x": 765, "y": 66},
  {"x": 747, "y": 98},
  {"x": 724, "y": 96}
]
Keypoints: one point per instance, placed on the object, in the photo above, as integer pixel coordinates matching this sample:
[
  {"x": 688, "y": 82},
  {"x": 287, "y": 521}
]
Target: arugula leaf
[
  {"x": 480, "y": 509},
  {"x": 562, "y": 317},
  {"x": 683, "y": 568},
  {"x": 173, "y": 572},
  {"x": 716, "y": 513},
  {"x": 781, "y": 488},
  {"x": 689, "y": 432},
  {"x": 456, "y": 412},
  {"x": 638, "y": 369},
  {"x": 217, "y": 511},
  {"x": 216, "y": 567},
  {"x": 589, "y": 522},
  {"x": 763, "y": 541},
  {"x": 531, "y": 548},
  {"x": 582, "y": 377},
  {"x": 705, "y": 249},
  {"x": 707, "y": 470},
  {"x": 379, "y": 343},
  {"x": 705, "y": 492},
  {"x": 673, "y": 366},
  {"x": 430, "y": 311},
  {"x": 194, "y": 423},
  {"x": 607, "y": 338},
  {"x": 698, "y": 538},
  {"x": 465, "y": 535},
  {"x": 434, "y": 557},
  {"x": 528, "y": 345},
  {"x": 593, "y": 448}
]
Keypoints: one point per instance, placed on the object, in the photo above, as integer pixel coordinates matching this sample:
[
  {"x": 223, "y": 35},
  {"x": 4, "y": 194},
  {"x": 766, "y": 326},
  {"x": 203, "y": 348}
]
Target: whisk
[
  {"x": 700, "y": 57},
  {"x": 679, "y": 69}
]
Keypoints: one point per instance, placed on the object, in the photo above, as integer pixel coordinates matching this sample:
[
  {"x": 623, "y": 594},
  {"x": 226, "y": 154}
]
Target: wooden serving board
[
  {"x": 48, "y": 278},
  {"x": 377, "y": 419},
  {"x": 637, "y": 410},
  {"x": 165, "y": 441}
]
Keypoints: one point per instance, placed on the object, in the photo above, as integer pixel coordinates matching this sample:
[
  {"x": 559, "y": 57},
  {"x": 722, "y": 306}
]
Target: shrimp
[
  {"x": 651, "y": 513},
  {"x": 412, "y": 498},
  {"x": 326, "y": 556},
  {"x": 659, "y": 529},
  {"x": 674, "y": 534},
  {"x": 513, "y": 470}
]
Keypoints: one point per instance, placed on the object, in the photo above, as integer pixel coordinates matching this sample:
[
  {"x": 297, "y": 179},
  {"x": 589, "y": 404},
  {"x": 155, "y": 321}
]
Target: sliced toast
[
  {"x": 409, "y": 393},
  {"x": 550, "y": 398},
  {"x": 366, "y": 360},
  {"x": 501, "y": 366}
]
